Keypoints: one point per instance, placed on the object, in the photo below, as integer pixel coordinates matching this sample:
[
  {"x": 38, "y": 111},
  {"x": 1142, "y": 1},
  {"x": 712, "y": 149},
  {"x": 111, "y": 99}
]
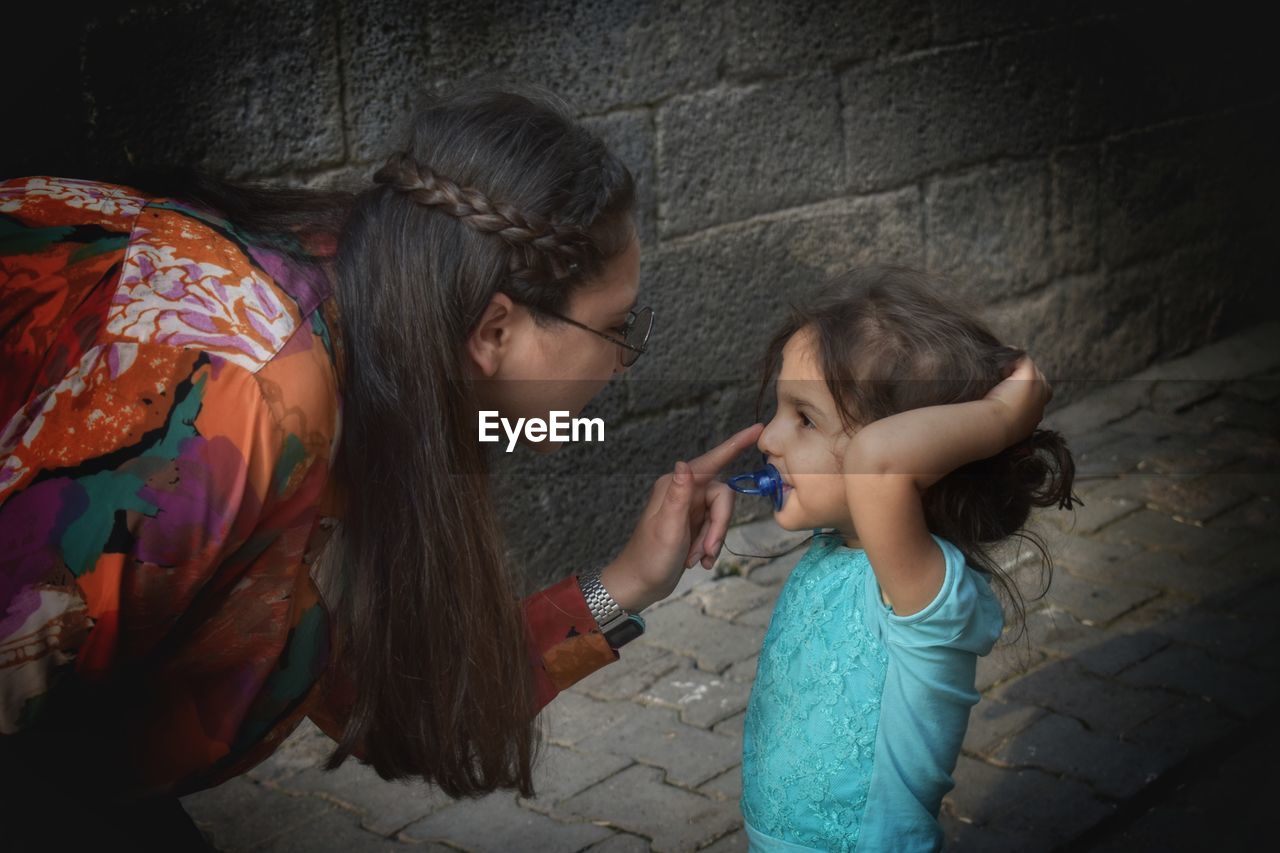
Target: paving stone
[
  {"x": 572, "y": 717},
  {"x": 729, "y": 597},
  {"x": 766, "y": 537},
  {"x": 1004, "y": 661},
  {"x": 239, "y": 814},
  {"x": 1104, "y": 502},
  {"x": 1190, "y": 457},
  {"x": 497, "y": 823},
  {"x": 738, "y": 554},
  {"x": 1177, "y": 395},
  {"x": 621, "y": 842},
  {"x": 1027, "y": 804},
  {"x": 1242, "y": 447},
  {"x": 1061, "y": 745},
  {"x": 1259, "y": 389},
  {"x": 1114, "y": 458},
  {"x": 1265, "y": 660},
  {"x": 1240, "y": 689},
  {"x": 726, "y": 786},
  {"x": 1161, "y": 424},
  {"x": 1105, "y": 405},
  {"x": 1226, "y": 805},
  {"x": 1257, "y": 513},
  {"x": 1166, "y": 571},
  {"x": 1196, "y": 499},
  {"x": 1224, "y": 635},
  {"x": 692, "y": 578},
  {"x": 306, "y": 747},
  {"x": 638, "y": 801},
  {"x": 639, "y": 665},
  {"x": 1059, "y": 633},
  {"x": 1184, "y": 728},
  {"x": 1081, "y": 552},
  {"x": 1106, "y": 706},
  {"x": 559, "y": 773},
  {"x": 731, "y": 727},
  {"x": 734, "y": 842},
  {"x": 1263, "y": 481},
  {"x": 1094, "y": 603},
  {"x": 1154, "y": 613},
  {"x": 962, "y": 837},
  {"x": 384, "y": 806},
  {"x": 713, "y": 643},
  {"x": 338, "y": 829},
  {"x": 1261, "y": 601},
  {"x": 1158, "y": 532},
  {"x": 1231, "y": 411},
  {"x": 1119, "y": 651},
  {"x": 701, "y": 698},
  {"x": 992, "y": 722},
  {"x": 758, "y": 618},
  {"x": 775, "y": 572},
  {"x": 743, "y": 670},
  {"x": 690, "y": 756}
]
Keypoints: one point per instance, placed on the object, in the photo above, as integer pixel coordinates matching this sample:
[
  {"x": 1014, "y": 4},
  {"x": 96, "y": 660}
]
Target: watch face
[{"x": 626, "y": 631}]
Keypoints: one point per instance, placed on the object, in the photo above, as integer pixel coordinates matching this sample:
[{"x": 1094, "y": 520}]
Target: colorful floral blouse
[{"x": 169, "y": 406}]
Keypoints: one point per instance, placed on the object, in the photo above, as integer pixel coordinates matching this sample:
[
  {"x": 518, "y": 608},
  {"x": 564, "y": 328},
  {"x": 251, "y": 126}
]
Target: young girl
[{"x": 866, "y": 675}]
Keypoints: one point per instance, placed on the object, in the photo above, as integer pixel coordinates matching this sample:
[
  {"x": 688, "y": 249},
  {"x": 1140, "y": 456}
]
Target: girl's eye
[{"x": 805, "y": 422}]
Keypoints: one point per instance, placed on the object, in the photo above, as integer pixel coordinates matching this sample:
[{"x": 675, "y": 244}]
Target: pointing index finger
[{"x": 708, "y": 465}]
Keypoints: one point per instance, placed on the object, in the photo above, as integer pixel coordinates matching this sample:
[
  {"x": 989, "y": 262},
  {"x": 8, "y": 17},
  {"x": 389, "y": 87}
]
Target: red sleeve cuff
[{"x": 565, "y": 643}]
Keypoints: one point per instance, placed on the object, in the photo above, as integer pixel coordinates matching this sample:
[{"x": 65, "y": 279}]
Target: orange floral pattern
[{"x": 169, "y": 408}]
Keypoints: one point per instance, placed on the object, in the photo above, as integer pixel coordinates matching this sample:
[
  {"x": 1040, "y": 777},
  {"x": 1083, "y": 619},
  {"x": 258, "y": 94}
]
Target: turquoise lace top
[{"x": 856, "y": 716}]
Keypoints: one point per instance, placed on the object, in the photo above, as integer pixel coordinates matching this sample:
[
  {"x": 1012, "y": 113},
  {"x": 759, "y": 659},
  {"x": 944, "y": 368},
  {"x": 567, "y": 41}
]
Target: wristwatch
[{"x": 618, "y": 626}]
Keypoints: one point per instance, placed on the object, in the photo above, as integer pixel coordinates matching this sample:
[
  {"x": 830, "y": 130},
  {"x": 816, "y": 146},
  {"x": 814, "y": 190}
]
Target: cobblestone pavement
[{"x": 1155, "y": 642}]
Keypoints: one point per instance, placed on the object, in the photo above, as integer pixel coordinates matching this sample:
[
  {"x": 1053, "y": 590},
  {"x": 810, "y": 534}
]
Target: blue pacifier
[{"x": 766, "y": 482}]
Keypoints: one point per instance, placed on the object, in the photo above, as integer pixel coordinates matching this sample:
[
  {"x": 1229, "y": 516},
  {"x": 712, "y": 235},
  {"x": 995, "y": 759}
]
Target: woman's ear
[{"x": 490, "y": 340}]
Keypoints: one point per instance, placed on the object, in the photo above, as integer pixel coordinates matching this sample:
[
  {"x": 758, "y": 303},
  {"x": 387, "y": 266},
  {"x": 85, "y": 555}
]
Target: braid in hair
[{"x": 540, "y": 251}]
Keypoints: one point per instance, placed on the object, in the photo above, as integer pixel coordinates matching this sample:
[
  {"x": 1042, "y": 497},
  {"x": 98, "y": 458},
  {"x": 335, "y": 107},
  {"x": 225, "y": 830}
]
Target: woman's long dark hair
[
  {"x": 887, "y": 342},
  {"x": 494, "y": 192}
]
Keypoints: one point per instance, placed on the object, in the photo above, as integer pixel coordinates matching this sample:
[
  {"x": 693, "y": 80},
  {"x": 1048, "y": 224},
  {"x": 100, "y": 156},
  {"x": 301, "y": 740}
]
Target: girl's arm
[{"x": 890, "y": 462}]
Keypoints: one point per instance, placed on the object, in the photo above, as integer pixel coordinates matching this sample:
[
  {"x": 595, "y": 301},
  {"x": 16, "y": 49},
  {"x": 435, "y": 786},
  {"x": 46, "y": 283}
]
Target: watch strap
[{"x": 617, "y": 625}]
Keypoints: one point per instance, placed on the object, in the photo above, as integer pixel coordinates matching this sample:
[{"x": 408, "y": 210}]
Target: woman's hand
[
  {"x": 1023, "y": 395},
  {"x": 685, "y": 522}
]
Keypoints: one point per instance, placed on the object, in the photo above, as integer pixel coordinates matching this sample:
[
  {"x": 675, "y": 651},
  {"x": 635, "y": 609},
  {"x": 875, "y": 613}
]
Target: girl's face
[
  {"x": 806, "y": 441},
  {"x": 556, "y": 366}
]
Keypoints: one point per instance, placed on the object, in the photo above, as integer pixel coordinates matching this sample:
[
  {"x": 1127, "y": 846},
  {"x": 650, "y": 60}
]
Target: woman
[{"x": 207, "y": 391}]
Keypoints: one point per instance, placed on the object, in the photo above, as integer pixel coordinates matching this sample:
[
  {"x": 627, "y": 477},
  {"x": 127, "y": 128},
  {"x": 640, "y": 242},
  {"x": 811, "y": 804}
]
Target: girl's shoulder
[{"x": 964, "y": 614}]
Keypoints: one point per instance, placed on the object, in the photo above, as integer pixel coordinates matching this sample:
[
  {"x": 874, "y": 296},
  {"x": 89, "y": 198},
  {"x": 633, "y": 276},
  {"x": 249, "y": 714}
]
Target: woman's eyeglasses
[{"x": 635, "y": 333}]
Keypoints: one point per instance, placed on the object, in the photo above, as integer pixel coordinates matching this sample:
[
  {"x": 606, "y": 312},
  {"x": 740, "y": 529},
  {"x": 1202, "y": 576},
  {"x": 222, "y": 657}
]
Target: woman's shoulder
[
  {"x": 70, "y": 202},
  {"x": 189, "y": 279},
  {"x": 185, "y": 276},
  {"x": 173, "y": 281}
]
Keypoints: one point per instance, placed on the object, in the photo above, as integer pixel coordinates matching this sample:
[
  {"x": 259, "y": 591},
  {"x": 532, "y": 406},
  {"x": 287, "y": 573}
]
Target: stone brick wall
[{"x": 1098, "y": 178}]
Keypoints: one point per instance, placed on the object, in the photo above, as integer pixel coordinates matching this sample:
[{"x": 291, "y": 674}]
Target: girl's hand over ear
[
  {"x": 1023, "y": 396},
  {"x": 684, "y": 522}
]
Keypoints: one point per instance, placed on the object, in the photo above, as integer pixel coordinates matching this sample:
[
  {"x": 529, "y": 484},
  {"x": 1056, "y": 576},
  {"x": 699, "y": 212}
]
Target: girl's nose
[{"x": 765, "y": 442}]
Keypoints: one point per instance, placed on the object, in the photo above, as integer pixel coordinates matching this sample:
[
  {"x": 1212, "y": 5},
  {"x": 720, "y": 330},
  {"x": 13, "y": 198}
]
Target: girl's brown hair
[{"x": 887, "y": 341}]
